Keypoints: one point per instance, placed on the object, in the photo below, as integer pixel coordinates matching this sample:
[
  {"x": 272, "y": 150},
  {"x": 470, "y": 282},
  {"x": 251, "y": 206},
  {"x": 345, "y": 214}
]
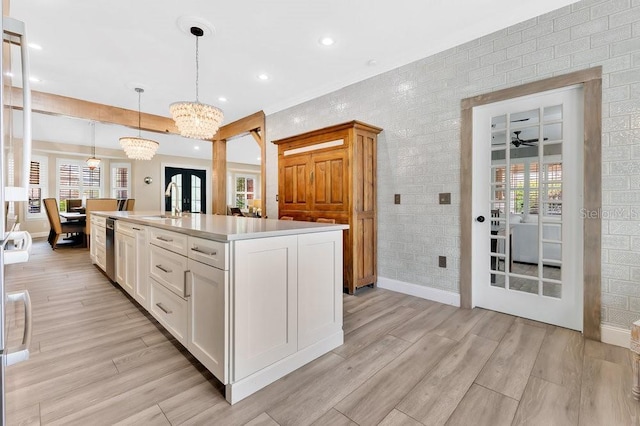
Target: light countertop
[{"x": 220, "y": 227}]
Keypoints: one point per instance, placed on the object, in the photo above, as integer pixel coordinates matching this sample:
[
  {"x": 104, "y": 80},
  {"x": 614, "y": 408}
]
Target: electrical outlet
[
  {"x": 444, "y": 198},
  {"x": 442, "y": 261},
  {"x": 396, "y": 199}
]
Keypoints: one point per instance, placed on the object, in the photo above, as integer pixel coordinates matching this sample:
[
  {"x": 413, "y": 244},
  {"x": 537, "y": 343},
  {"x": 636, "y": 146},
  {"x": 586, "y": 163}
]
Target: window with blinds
[
  {"x": 76, "y": 180},
  {"x": 524, "y": 179},
  {"x": 244, "y": 190},
  {"x": 120, "y": 181},
  {"x": 37, "y": 187}
]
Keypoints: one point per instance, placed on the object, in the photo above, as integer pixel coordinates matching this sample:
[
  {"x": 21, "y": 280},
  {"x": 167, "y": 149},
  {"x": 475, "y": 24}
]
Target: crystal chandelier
[
  {"x": 195, "y": 119},
  {"x": 93, "y": 162},
  {"x": 139, "y": 148}
]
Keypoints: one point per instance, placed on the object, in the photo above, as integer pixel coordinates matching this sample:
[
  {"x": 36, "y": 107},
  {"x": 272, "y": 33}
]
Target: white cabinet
[
  {"x": 319, "y": 287},
  {"x": 125, "y": 262},
  {"x": 141, "y": 287},
  {"x": 98, "y": 242},
  {"x": 131, "y": 260},
  {"x": 265, "y": 302},
  {"x": 250, "y": 310},
  {"x": 208, "y": 325}
]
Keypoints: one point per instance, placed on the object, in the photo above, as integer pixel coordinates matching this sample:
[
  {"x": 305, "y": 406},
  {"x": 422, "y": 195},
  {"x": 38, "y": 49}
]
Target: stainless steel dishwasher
[{"x": 111, "y": 249}]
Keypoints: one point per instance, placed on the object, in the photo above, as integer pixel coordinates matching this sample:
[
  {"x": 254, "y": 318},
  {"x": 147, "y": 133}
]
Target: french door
[
  {"x": 527, "y": 199},
  {"x": 192, "y": 189}
]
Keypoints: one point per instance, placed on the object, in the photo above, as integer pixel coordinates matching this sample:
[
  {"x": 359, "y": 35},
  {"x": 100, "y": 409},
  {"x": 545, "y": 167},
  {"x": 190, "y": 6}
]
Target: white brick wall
[{"x": 418, "y": 106}]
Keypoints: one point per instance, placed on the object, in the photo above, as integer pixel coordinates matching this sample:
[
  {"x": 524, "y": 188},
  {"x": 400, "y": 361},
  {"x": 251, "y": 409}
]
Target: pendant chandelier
[
  {"x": 93, "y": 162},
  {"x": 139, "y": 148},
  {"x": 195, "y": 119}
]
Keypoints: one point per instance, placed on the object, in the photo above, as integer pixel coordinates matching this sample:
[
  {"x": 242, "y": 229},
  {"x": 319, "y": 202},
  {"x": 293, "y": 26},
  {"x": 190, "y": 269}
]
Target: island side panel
[
  {"x": 265, "y": 303},
  {"x": 319, "y": 286}
]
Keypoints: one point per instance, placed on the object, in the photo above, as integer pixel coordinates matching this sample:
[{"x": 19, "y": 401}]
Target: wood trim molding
[
  {"x": 591, "y": 80},
  {"x": 48, "y": 103}
]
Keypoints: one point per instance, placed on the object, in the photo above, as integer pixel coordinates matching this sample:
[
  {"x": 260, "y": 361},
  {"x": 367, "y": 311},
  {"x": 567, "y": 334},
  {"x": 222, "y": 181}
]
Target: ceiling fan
[{"x": 526, "y": 142}]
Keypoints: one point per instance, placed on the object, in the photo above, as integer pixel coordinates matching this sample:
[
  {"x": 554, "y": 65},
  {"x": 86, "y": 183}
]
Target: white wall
[{"x": 418, "y": 106}]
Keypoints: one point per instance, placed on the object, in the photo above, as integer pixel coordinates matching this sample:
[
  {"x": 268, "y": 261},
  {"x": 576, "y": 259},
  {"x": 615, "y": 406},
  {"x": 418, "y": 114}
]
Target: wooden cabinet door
[
  {"x": 330, "y": 181},
  {"x": 294, "y": 183},
  {"x": 208, "y": 312},
  {"x": 265, "y": 303}
]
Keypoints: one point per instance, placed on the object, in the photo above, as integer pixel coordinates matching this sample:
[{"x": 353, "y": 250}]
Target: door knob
[{"x": 480, "y": 219}]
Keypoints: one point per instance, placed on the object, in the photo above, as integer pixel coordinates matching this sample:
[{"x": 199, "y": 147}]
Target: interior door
[
  {"x": 192, "y": 184},
  {"x": 527, "y": 199}
]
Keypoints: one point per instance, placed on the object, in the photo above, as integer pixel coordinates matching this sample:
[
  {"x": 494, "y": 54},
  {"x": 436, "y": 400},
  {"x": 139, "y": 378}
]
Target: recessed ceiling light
[
  {"x": 196, "y": 147},
  {"x": 263, "y": 77},
  {"x": 34, "y": 79},
  {"x": 327, "y": 41},
  {"x": 222, "y": 99},
  {"x": 259, "y": 158},
  {"x": 35, "y": 46},
  {"x": 372, "y": 62}
]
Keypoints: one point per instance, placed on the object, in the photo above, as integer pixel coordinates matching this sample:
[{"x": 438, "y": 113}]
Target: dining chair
[
  {"x": 128, "y": 205},
  {"x": 325, "y": 220},
  {"x": 97, "y": 204},
  {"x": 57, "y": 226}
]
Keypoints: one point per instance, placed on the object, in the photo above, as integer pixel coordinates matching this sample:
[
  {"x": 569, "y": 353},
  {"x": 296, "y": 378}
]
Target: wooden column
[
  {"x": 219, "y": 183},
  {"x": 635, "y": 362}
]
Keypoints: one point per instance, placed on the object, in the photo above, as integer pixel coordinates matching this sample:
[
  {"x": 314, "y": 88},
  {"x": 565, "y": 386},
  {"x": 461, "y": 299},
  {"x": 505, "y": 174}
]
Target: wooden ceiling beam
[
  {"x": 257, "y": 137},
  {"x": 48, "y": 103},
  {"x": 244, "y": 125}
]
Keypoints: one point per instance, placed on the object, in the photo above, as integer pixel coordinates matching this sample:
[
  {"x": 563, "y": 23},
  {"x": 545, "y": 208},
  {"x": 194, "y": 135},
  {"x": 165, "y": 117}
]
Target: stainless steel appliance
[
  {"x": 14, "y": 33},
  {"x": 111, "y": 249}
]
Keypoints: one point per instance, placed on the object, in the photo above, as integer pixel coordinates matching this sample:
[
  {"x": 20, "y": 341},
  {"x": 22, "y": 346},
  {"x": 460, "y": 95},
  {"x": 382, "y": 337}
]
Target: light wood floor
[{"x": 98, "y": 359}]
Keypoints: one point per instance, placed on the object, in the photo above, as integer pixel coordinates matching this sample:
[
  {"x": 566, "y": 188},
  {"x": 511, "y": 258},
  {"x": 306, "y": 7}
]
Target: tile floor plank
[
  {"x": 547, "y": 403},
  {"x": 485, "y": 407},
  {"x": 334, "y": 418},
  {"x": 398, "y": 418},
  {"x": 509, "y": 368},
  {"x": 437, "y": 395},
  {"x": 372, "y": 401}
]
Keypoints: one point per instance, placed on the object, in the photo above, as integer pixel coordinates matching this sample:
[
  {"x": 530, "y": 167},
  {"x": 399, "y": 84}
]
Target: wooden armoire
[{"x": 331, "y": 173}]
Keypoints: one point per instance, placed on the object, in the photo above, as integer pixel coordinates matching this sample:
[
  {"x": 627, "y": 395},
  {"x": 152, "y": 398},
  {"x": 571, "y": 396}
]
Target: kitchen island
[{"x": 252, "y": 299}]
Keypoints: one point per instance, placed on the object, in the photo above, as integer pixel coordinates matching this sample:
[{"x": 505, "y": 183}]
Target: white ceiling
[{"x": 100, "y": 50}]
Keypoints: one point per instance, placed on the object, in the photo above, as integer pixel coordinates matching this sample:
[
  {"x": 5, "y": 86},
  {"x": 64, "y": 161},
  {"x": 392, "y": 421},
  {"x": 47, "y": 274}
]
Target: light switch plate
[
  {"x": 396, "y": 199},
  {"x": 442, "y": 261},
  {"x": 444, "y": 198}
]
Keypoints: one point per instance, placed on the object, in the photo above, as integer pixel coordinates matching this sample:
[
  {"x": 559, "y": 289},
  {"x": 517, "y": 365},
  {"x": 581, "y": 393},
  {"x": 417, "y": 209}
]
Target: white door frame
[{"x": 591, "y": 80}]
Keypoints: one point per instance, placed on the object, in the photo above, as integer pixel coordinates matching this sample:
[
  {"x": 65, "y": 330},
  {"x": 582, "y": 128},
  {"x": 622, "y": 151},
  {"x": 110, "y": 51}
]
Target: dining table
[{"x": 73, "y": 216}]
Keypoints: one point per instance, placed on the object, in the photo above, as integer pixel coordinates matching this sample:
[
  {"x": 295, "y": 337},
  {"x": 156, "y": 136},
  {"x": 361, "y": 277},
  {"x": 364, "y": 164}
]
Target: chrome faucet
[{"x": 175, "y": 210}]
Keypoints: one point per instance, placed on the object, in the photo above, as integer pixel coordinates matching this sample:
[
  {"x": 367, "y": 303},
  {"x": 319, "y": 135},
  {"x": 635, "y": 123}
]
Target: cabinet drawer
[
  {"x": 213, "y": 253},
  {"x": 168, "y": 268},
  {"x": 99, "y": 220},
  {"x": 170, "y": 310},
  {"x": 127, "y": 228},
  {"x": 170, "y": 240}
]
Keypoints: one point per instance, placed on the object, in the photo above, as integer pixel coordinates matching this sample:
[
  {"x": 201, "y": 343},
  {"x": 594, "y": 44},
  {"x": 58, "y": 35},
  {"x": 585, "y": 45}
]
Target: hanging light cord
[
  {"x": 93, "y": 136},
  {"x": 139, "y": 125},
  {"x": 197, "y": 67}
]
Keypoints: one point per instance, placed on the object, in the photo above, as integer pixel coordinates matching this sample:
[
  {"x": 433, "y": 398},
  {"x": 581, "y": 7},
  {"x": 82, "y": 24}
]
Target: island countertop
[{"x": 220, "y": 227}]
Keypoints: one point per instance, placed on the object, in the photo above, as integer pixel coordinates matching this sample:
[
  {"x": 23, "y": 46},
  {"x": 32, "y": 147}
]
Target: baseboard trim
[
  {"x": 39, "y": 234},
  {"x": 423, "y": 292},
  {"x": 615, "y": 336}
]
